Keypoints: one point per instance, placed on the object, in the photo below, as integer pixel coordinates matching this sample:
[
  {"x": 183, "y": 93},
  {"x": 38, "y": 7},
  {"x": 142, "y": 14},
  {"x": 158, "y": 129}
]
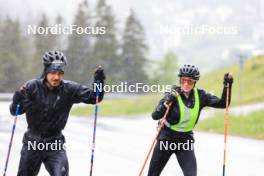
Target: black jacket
[
  {"x": 206, "y": 99},
  {"x": 47, "y": 110}
]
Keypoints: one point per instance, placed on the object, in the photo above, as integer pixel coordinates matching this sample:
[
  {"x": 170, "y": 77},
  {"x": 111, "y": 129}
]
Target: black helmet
[
  {"x": 54, "y": 61},
  {"x": 189, "y": 71}
]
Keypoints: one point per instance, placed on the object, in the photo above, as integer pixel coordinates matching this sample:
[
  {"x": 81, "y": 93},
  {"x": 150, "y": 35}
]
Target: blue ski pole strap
[
  {"x": 15, "y": 119},
  {"x": 17, "y": 109},
  {"x": 97, "y": 90}
]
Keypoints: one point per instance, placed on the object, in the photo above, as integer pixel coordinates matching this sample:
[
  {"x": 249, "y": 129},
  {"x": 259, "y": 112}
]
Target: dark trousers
[
  {"x": 160, "y": 156},
  {"x": 55, "y": 161}
]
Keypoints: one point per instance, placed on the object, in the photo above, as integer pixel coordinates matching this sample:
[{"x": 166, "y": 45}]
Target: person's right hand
[
  {"x": 19, "y": 95},
  {"x": 173, "y": 96}
]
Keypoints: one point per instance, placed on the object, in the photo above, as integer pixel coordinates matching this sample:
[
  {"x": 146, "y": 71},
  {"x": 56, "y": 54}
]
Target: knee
[
  {"x": 60, "y": 171},
  {"x": 64, "y": 171}
]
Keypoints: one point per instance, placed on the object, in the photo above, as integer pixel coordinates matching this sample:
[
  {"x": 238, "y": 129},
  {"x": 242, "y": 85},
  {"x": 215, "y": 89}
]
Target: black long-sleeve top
[{"x": 47, "y": 110}]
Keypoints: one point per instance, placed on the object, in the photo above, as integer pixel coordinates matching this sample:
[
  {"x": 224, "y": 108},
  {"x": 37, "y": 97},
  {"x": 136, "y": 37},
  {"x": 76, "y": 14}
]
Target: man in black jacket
[
  {"x": 176, "y": 136},
  {"x": 47, "y": 102}
]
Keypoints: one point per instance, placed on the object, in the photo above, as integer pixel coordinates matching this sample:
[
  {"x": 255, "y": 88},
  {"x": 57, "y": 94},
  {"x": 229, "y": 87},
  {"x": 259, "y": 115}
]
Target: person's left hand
[
  {"x": 228, "y": 78},
  {"x": 99, "y": 74}
]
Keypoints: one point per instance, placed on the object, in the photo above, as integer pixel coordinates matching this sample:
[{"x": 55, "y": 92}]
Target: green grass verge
[
  {"x": 119, "y": 107},
  {"x": 252, "y": 82},
  {"x": 251, "y": 125}
]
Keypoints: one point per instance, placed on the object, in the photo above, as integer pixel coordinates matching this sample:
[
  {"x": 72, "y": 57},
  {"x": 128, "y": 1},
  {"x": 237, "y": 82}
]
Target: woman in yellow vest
[{"x": 176, "y": 136}]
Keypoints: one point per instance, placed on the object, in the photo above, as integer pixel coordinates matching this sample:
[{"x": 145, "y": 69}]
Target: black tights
[{"x": 160, "y": 157}]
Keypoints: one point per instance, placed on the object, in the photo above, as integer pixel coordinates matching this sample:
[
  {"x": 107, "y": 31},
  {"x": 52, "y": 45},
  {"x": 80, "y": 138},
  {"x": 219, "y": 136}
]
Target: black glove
[
  {"x": 19, "y": 95},
  {"x": 99, "y": 74},
  {"x": 228, "y": 78},
  {"x": 173, "y": 94}
]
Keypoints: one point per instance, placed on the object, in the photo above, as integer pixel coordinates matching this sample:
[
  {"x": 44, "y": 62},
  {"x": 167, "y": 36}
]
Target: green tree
[
  {"x": 59, "y": 39},
  {"x": 105, "y": 51},
  {"x": 12, "y": 55},
  {"x": 134, "y": 51},
  {"x": 166, "y": 70},
  {"x": 78, "y": 51}
]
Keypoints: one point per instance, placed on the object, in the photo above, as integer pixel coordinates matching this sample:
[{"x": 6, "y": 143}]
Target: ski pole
[
  {"x": 226, "y": 128},
  {"x": 11, "y": 139},
  {"x": 155, "y": 139},
  {"x": 94, "y": 129}
]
